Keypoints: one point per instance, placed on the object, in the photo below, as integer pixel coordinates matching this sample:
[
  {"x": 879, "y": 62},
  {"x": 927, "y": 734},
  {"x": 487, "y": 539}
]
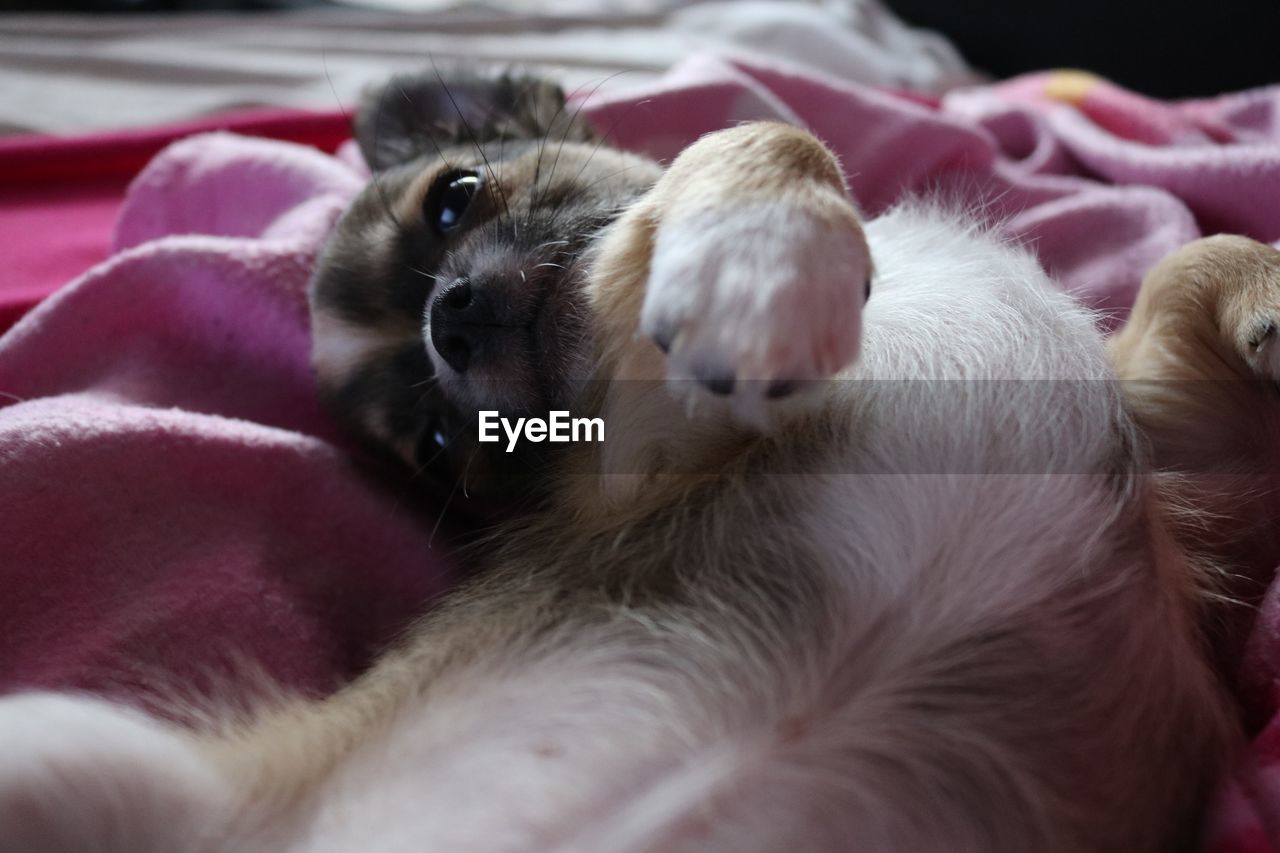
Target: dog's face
[{"x": 456, "y": 281}]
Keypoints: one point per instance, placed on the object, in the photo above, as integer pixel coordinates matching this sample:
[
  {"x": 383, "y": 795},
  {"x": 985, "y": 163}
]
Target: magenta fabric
[
  {"x": 177, "y": 512},
  {"x": 52, "y": 234},
  {"x": 176, "y": 506},
  {"x": 60, "y": 196}
]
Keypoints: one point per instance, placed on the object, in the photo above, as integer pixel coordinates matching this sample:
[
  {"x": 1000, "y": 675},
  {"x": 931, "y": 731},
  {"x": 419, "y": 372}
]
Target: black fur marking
[{"x": 412, "y": 114}]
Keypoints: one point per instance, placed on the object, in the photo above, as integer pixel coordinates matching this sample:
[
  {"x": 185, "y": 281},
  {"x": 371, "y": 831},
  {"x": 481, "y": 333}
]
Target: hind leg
[
  {"x": 1200, "y": 361},
  {"x": 81, "y": 774},
  {"x": 1210, "y": 310}
]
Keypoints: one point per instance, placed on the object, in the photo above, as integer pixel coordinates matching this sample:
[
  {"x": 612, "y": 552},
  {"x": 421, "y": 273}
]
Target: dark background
[{"x": 1165, "y": 49}]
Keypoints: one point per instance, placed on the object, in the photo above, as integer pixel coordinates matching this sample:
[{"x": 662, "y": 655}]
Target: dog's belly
[
  {"x": 933, "y": 654},
  {"x": 958, "y": 672}
]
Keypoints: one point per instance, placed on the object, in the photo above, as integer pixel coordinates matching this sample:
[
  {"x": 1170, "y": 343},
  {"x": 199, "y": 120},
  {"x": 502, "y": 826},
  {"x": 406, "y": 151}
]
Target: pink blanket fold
[{"x": 175, "y": 502}]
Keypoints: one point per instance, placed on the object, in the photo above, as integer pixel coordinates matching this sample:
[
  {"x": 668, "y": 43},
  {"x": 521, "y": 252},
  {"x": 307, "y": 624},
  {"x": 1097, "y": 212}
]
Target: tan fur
[
  {"x": 548, "y": 578},
  {"x": 758, "y": 162},
  {"x": 725, "y": 644},
  {"x": 761, "y": 162}
]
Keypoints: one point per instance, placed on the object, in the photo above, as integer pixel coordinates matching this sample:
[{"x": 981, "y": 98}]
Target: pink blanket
[
  {"x": 60, "y": 196},
  {"x": 176, "y": 505}
]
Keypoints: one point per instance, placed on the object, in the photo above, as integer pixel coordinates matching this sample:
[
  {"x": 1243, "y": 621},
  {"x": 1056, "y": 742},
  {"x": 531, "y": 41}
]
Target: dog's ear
[{"x": 421, "y": 113}]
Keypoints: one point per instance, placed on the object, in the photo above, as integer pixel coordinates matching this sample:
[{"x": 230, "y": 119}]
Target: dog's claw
[
  {"x": 663, "y": 338},
  {"x": 1266, "y": 329},
  {"x": 1262, "y": 348},
  {"x": 780, "y": 388},
  {"x": 720, "y": 385}
]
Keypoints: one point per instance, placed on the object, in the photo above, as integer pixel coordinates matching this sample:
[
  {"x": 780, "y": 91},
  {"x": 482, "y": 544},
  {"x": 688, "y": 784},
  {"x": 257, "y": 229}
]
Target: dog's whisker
[
  {"x": 537, "y": 200},
  {"x": 607, "y": 177},
  {"x": 608, "y": 133},
  {"x": 444, "y": 509},
  {"x": 373, "y": 167},
  {"x": 475, "y": 143},
  {"x": 324, "y": 62},
  {"x": 436, "y": 278},
  {"x": 542, "y": 145},
  {"x": 564, "y": 134},
  {"x": 502, "y": 158},
  {"x": 466, "y": 472}
]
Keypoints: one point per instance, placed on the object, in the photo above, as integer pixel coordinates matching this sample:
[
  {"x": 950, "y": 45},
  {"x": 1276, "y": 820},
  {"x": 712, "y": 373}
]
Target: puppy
[{"x": 869, "y": 558}]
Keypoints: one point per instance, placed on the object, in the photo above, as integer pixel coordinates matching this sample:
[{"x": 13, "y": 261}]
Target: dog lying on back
[{"x": 871, "y": 557}]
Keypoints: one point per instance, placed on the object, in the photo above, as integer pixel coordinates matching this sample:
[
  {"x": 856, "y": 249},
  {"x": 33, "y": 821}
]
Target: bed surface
[
  {"x": 72, "y": 74},
  {"x": 178, "y": 509}
]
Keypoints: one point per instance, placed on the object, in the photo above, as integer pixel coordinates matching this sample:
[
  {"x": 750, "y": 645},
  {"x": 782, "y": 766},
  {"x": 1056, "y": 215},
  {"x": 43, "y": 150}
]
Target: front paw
[{"x": 756, "y": 300}]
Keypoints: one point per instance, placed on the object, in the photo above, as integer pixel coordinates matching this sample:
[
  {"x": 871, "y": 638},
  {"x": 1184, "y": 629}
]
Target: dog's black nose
[
  {"x": 451, "y": 334},
  {"x": 465, "y": 320}
]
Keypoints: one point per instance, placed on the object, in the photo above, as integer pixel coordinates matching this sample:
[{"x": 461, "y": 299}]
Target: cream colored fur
[{"x": 884, "y": 615}]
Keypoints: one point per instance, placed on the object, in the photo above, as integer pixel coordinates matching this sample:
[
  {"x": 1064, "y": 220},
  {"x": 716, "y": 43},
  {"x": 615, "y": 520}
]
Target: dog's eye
[
  {"x": 434, "y": 440},
  {"x": 449, "y": 198}
]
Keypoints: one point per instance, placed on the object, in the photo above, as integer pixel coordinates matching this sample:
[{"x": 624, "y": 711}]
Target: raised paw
[{"x": 755, "y": 300}]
